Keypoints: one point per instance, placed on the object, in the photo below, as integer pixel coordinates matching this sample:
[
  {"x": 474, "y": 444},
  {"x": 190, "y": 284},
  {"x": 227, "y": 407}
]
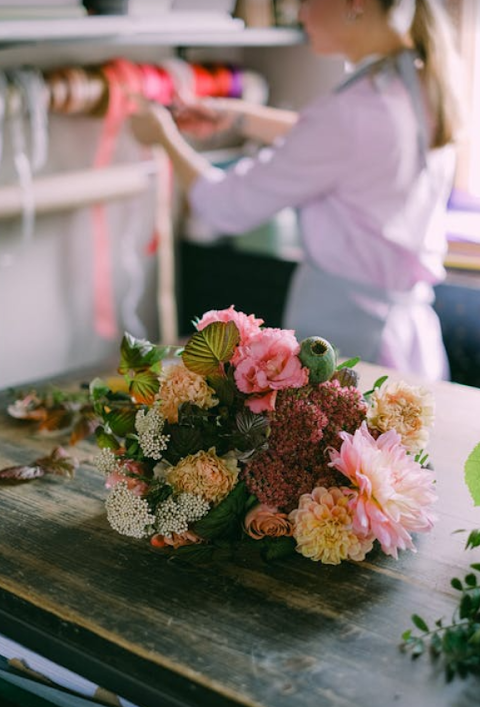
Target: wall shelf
[{"x": 175, "y": 29}]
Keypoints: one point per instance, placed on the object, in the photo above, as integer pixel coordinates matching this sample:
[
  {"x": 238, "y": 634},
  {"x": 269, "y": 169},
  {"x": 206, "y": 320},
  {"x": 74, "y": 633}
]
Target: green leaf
[
  {"x": 158, "y": 492},
  {"x": 471, "y": 580},
  {"x": 132, "y": 446},
  {"x": 277, "y": 548},
  {"x": 406, "y": 635},
  {"x": 137, "y": 354},
  {"x": 98, "y": 389},
  {"x": 379, "y": 382},
  {"x": 224, "y": 387},
  {"x": 224, "y": 519},
  {"x": 183, "y": 441},
  {"x": 456, "y": 584},
  {"x": 473, "y": 540},
  {"x": 210, "y": 347},
  {"x": 475, "y": 637},
  {"x": 465, "y": 606},
  {"x": 475, "y": 566},
  {"x": 144, "y": 386},
  {"x": 420, "y": 623},
  {"x": 121, "y": 421},
  {"x": 376, "y": 385},
  {"x": 472, "y": 474},
  {"x": 349, "y": 364},
  {"x": 436, "y": 645},
  {"x": 105, "y": 440}
]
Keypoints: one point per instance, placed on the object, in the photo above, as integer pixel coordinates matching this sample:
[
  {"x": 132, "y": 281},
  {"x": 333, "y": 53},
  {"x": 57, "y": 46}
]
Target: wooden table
[{"x": 168, "y": 634}]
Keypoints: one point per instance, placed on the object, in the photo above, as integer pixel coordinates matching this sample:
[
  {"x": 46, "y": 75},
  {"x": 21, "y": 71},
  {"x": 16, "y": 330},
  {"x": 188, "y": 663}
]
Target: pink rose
[
  {"x": 269, "y": 362},
  {"x": 264, "y": 521},
  {"x": 262, "y": 403},
  {"x": 247, "y": 325},
  {"x": 135, "y": 486}
]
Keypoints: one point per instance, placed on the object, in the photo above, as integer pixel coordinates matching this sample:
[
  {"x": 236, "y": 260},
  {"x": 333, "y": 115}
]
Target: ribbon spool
[
  {"x": 158, "y": 85},
  {"x": 77, "y": 90}
]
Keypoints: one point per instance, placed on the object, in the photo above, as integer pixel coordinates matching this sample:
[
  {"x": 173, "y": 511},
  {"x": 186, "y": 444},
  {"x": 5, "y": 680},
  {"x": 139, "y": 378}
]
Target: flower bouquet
[{"x": 248, "y": 436}]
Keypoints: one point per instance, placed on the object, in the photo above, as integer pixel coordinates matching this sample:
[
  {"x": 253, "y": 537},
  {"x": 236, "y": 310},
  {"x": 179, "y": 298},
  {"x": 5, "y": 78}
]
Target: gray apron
[{"x": 353, "y": 316}]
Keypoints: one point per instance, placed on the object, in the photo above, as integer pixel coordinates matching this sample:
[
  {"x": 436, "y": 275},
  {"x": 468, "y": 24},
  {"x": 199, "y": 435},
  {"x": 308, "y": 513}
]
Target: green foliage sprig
[{"x": 456, "y": 644}]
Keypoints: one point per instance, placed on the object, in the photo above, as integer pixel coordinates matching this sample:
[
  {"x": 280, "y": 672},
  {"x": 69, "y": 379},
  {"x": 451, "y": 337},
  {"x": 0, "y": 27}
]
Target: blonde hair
[{"x": 432, "y": 36}]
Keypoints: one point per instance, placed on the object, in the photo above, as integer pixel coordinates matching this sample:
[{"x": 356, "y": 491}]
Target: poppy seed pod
[{"x": 318, "y": 355}]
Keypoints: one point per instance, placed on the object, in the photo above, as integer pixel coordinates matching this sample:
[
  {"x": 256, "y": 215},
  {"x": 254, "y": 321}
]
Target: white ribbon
[
  {"x": 35, "y": 94},
  {"x": 16, "y": 110},
  {"x": 3, "y": 107},
  {"x": 28, "y": 99}
]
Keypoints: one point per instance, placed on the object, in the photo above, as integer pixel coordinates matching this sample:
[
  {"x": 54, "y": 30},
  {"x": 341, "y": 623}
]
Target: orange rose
[{"x": 263, "y": 521}]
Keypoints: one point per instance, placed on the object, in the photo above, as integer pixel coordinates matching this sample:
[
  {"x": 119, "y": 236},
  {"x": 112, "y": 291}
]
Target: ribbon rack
[{"x": 28, "y": 99}]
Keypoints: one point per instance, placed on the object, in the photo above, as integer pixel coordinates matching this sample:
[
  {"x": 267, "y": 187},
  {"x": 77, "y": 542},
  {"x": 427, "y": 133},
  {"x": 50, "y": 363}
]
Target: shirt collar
[{"x": 352, "y": 67}]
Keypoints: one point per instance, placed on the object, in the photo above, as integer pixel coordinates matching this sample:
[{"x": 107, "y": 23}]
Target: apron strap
[{"x": 404, "y": 64}]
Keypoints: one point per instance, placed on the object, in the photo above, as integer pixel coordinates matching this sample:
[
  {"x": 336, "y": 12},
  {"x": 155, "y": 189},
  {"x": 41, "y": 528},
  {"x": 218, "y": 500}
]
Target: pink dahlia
[
  {"x": 268, "y": 363},
  {"x": 247, "y": 325},
  {"x": 392, "y": 494}
]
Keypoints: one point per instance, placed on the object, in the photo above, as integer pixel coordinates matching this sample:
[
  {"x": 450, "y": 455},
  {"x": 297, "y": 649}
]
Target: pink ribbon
[{"x": 123, "y": 78}]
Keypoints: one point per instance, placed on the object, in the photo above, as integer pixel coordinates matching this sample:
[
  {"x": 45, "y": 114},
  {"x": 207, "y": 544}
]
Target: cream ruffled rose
[
  {"x": 204, "y": 474},
  {"x": 180, "y": 385},
  {"x": 407, "y": 409}
]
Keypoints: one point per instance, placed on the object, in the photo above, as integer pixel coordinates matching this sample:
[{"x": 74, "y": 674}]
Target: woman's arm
[
  {"x": 312, "y": 160},
  {"x": 153, "y": 125},
  {"x": 262, "y": 123},
  {"x": 209, "y": 116}
]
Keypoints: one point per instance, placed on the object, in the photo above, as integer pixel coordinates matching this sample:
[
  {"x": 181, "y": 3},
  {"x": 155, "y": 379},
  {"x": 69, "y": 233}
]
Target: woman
[{"x": 369, "y": 168}]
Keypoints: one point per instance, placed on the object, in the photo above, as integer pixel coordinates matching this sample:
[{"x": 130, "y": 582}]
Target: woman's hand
[
  {"x": 204, "y": 118},
  {"x": 152, "y": 124}
]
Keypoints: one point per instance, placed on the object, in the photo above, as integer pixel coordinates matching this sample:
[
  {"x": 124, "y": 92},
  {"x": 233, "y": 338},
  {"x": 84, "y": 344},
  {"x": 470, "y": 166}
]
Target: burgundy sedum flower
[{"x": 306, "y": 422}]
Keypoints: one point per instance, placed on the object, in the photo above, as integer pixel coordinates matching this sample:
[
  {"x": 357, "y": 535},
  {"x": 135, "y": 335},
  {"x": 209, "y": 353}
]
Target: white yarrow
[
  {"x": 149, "y": 426},
  {"x": 176, "y": 512},
  {"x": 106, "y": 462},
  {"x": 128, "y": 514}
]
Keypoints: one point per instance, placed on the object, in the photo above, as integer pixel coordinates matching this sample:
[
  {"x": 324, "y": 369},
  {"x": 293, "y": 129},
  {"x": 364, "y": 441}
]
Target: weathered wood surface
[{"x": 279, "y": 635}]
